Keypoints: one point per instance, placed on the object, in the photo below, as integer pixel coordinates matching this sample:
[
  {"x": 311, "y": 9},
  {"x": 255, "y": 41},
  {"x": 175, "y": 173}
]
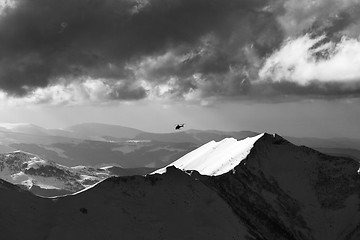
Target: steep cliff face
[{"x": 282, "y": 191}]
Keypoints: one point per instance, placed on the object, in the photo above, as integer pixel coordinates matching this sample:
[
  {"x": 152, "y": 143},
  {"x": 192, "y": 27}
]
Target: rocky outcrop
[{"x": 282, "y": 191}]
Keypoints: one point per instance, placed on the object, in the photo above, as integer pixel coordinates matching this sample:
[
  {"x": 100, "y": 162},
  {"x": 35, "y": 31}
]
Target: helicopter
[{"x": 179, "y": 126}]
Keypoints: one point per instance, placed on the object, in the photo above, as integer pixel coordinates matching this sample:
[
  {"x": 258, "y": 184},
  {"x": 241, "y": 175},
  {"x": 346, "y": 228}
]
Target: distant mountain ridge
[
  {"x": 72, "y": 148},
  {"x": 194, "y": 136},
  {"x": 102, "y": 144},
  {"x": 47, "y": 178},
  {"x": 99, "y": 130},
  {"x": 31, "y": 171}
]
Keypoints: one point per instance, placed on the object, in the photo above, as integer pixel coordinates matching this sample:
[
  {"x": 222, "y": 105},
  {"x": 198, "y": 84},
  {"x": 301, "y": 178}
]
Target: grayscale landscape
[{"x": 179, "y": 120}]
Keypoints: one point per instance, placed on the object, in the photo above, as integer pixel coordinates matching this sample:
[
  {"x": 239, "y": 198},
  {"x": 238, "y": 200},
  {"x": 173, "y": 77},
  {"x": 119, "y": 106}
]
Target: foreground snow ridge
[{"x": 215, "y": 158}]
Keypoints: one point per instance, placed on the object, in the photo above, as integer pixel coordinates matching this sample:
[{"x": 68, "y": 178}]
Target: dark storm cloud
[
  {"x": 214, "y": 48},
  {"x": 127, "y": 92},
  {"x": 43, "y": 40},
  {"x": 333, "y": 26}
]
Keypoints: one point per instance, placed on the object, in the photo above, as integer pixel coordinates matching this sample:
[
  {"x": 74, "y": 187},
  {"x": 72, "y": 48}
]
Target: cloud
[
  {"x": 46, "y": 40},
  {"x": 6, "y": 5},
  {"x": 127, "y": 91},
  {"x": 81, "y": 92},
  {"x": 324, "y": 16},
  {"x": 311, "y": 67},
  {"x": 303, "y": 60},
  {"x": 60, "y": 52}
]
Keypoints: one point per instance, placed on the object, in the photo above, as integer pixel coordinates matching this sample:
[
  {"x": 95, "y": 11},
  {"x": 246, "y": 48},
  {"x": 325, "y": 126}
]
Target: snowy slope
[
  {"x": 215, "y": 158},
  {"x": 30, "y": 170}
]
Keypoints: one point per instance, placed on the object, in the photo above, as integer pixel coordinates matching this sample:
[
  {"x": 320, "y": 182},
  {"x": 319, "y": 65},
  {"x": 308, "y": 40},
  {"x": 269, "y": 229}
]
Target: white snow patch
[
  {"x": 28, "y": 183},
  {"x": 35, "y": 163},
  {"x": 138, "y": 141},
  {"x": 79, "y": 167},
  {"x": 86, "y": 188},
  {"x": 87, "y": 177},
  {"x": 46, "y": 186},
  {"x": 19, "y": 177},
  {"x": 215, "y": 158},
  {"x": 48, "y": 182},
  {"x": 12, "y": 126},
  {"x": 106, "y": 168}
]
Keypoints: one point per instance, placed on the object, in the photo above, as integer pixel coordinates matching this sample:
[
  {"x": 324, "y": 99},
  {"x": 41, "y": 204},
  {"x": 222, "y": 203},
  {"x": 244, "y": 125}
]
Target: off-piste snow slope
[
  {"x": 215, "y": 158},
  {"x": 259, "y": 188},
  {"x": 47, "y": 178}
]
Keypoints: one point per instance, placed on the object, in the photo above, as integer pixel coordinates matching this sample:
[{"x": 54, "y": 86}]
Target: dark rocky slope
[{"x": 282, "y": 191}]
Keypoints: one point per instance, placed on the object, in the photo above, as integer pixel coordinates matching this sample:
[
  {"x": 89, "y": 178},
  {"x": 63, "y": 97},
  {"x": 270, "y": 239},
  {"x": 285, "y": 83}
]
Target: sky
[{"x": 284, "y": 66}]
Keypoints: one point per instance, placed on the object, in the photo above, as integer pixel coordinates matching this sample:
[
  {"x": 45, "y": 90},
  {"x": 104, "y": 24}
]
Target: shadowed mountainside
[{"x": 173, "y": 206}]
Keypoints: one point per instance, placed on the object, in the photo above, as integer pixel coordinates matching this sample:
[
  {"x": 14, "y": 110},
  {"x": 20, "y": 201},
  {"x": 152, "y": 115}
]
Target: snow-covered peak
[{"x": 215, "y": 158}]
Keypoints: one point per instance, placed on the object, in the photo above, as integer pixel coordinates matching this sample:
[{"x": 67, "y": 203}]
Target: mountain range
[
  {"x": 262, "y": 187},
  {"x": 98, "y": 145},
  {"x": 91, "y": 145},
  {"x": 49, "y": 179}
]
